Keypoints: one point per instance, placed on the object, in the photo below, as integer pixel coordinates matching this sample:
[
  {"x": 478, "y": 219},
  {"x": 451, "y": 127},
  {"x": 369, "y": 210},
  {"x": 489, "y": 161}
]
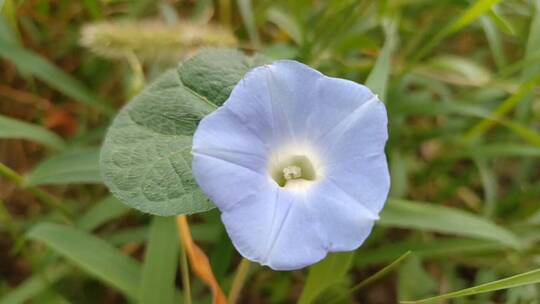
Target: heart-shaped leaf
[{"x": 146, "y": 159}]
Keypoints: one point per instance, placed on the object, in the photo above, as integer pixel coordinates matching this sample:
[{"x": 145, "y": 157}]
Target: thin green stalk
[
  {"x": 138, "y": 81},
  {"x": 43, "y": 196},
  {"x": 239, "y": 280},
  {"x": 377, "y": 276},
  {"x": 184, "y": 265}
]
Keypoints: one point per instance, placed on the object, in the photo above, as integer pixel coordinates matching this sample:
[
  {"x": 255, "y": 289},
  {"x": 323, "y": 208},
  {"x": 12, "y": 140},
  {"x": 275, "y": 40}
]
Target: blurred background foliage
[{"x": 461, "y": 83}]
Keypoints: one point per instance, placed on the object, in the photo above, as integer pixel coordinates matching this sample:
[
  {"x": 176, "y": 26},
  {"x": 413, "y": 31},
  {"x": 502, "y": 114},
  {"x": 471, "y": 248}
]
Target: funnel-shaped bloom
[{"x": 295, "y": 162}]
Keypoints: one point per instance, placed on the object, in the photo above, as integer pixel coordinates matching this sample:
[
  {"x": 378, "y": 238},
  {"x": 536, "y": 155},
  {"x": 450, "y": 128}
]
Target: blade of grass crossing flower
[
  {"x": 16, "y": 129},
  {"x": 377, "y": 276},
  {"x": 30, "y": 63},
  {"x": 91, "y": 254},
  {"x": 325, "y": 274},
  {"x": 160, "y": 262},
  {"x": 531, "y": 277},
  {"x": 199, "y": 261},
  {"x": 430, "y": 217}
]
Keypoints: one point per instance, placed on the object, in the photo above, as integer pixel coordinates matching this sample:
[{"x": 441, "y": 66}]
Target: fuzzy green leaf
[{"x": 146, "y": 159}]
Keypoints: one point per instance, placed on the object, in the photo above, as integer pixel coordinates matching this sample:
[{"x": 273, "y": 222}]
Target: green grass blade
[
  {"x": 75, "y": 166},
  {"x": 325, "y": 274},
  {"x": 527, "y": 134},
  {"x": 32, "y": 64},
  {"x": 6, "y": 34},
  {"x": 35, "y": 284},
  {"x": 126, "y": 236},
  {"x": 375, "y": 277},
  {"x": 533, "y": 40},
  {"x": 246, "y": 11},
  {"x": 91, "y": 254},
  {"x": 378, "y": 78},
  {"x": 474, "y": 11},
  {"x": 494, "y": 41},
  {"x": 531, "y": 277},
  {"x": 381, "y": 273},
  {"x": 16, "y": 129},
  {"x": 424, "y": 216},
  {"x": 101, "y": 212},
  {"x": 160, "y": 262},
  {"x": 286, "y": 22},
  {"x": 499, "y": 21},
  {"x": 498, "y": 150},
  {"x": 433, "y": 248},
  {"x": 506, "y": 106}
]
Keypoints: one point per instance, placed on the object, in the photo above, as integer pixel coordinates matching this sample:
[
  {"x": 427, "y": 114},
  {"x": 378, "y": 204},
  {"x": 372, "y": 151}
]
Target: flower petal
[
  {"x": 226, "y": 182},
  {"x": 361, "y": 133},
  {"x": 274, "y": 228},
  {"x": 345, "y": 222},
  {"x": 222, "y": 135},
  {"x": 365, "y": 179}
]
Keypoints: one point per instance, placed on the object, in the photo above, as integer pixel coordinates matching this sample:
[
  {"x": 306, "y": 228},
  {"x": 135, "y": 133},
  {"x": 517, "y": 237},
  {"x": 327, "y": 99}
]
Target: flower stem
[
  {"x": 43, "y": 196},
  {"x": 183, "y": 260},
  {"x": 239, "y": 280}
]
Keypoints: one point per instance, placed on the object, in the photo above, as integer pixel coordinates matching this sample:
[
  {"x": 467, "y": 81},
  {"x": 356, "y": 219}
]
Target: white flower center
[
  {"x": 292, "y": 172},
  {"x": 294, "y": 167}
]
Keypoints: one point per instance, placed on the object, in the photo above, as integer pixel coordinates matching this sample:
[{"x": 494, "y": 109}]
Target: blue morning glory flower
[{"x": 295, "y": 162}]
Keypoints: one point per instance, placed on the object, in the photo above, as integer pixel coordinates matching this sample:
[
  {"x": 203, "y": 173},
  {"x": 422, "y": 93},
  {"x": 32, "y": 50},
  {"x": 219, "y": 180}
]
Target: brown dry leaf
[
  {"x": 199, "y": 261},
  {"x": 61, "y": 121}
]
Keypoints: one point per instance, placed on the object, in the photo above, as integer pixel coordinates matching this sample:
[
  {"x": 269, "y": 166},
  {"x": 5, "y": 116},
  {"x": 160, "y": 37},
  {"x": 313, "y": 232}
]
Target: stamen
[{"x": 292, "y": 172}]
